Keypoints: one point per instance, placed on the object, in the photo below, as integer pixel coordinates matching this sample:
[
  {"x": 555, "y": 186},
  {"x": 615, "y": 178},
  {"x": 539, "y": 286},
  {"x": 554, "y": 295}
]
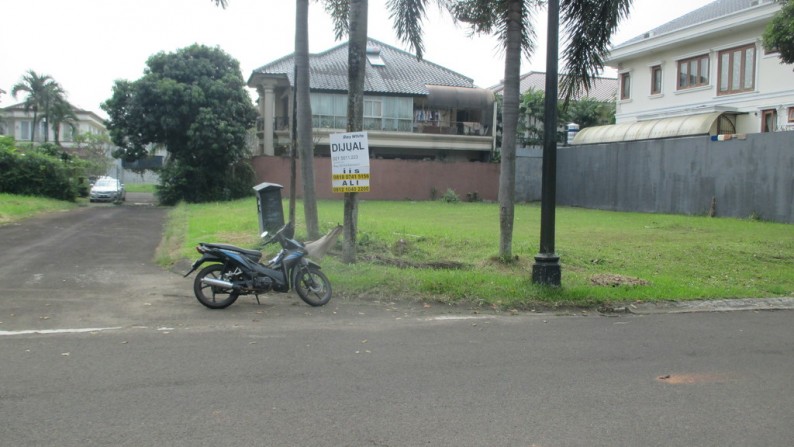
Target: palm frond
[
  {"x": 407, "y": 17},
  {"x": 339, "y": 10},
  {"x": 590, "y": 25}
]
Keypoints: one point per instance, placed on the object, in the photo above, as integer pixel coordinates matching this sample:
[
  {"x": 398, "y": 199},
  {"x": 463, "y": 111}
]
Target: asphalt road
[{"x": 98, "y": 346}]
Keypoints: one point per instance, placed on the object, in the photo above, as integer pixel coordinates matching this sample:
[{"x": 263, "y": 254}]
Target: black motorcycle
[{"x": 236, "y": 271}]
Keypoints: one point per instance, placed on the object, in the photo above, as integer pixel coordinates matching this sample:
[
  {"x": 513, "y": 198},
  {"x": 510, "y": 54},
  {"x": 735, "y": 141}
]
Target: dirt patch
[
  {"x": 613, "y": 280},
  {"x": 402, "y": 263}
]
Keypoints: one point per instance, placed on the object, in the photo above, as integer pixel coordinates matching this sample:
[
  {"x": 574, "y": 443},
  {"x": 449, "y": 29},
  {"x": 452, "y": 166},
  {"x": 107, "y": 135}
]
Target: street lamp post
[{"x": 546, "y": 269}]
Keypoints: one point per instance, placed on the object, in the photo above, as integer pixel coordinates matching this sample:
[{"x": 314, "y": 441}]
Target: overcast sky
[{"x": 87, "y": 44}]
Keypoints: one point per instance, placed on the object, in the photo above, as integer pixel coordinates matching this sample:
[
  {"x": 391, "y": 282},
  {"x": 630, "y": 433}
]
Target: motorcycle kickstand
[{"x": 257, "y": 299}]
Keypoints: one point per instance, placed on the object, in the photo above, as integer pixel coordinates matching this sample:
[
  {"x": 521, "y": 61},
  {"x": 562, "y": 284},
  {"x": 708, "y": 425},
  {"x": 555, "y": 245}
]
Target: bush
[
  {"x": 34, "y": 173},
  {"x": 450, "y": 196},
  {"x": 196, "y": 184}
]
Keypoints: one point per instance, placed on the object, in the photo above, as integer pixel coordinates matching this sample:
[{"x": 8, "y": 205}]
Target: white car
[{"x": 107, "y": 189}]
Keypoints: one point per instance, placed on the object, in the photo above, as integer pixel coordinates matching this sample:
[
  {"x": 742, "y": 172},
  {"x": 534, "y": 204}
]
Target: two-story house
[
  {"x": 413, "y": 109},
  {"x": 706, "y": 72},
  {"x": 18, "y": 123}
]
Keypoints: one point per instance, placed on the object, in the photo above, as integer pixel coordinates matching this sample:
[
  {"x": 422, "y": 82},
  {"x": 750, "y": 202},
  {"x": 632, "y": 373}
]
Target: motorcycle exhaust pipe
[{"x": 217, "y": 283}]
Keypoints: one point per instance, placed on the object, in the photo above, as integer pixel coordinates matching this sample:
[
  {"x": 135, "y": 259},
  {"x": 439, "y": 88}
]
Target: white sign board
[{"x": 350, "y": 162}]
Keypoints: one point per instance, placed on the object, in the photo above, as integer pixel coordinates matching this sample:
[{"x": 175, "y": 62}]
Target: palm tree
[
  {"x": 303, "y": 120},
  {"x": 350, "y": 17},
  {"x": 303, "y": 111},
  {"x": 54, "y": 96},
  {"x": 38, "y": 88},
  {"x": 61, "y": 113},
  {"x": 589, "y": 25}
]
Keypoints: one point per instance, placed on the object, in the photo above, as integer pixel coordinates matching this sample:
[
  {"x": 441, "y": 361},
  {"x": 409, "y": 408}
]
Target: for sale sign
[{"x": 349, "y": 162}]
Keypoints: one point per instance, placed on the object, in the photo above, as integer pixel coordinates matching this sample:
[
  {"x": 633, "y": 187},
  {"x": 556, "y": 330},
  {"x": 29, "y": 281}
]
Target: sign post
[{"x": 350, "y": 162}]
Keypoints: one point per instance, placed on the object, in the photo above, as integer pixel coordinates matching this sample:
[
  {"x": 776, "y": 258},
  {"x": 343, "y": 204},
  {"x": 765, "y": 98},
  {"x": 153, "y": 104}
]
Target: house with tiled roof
[
  {"x": 413, "y": 109},
  {"x": 704, "y": 73}
]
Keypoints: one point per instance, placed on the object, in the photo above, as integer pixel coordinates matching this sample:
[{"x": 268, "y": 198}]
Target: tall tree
[
  {"x": 38, "y": 88},
  {"x": 61, "y": 113},
  {"x": 303, "y": 107},
  {"x": 589, "y": 25},
  {"x": 350, "y": 17},
  {"x": 194, "y": 103},
  {"x": 302, "y": 127}
]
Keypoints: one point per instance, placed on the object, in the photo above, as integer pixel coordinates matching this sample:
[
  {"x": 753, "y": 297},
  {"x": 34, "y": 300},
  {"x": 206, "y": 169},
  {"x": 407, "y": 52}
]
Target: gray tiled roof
[
  {"x": 401, "y": 74},
  {"x": 603, "y": 89},
  {"x": 714, "y": 10}
]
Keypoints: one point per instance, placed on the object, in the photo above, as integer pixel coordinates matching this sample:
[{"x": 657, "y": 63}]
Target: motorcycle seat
[{"x": 250, "y": 253}]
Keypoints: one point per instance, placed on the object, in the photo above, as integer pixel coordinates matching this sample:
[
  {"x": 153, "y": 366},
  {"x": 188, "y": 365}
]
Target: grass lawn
[
  {"x": 446, "y": 252},
  {"x": 139, "y": 187},
  {"x": 14, "y": 207}
]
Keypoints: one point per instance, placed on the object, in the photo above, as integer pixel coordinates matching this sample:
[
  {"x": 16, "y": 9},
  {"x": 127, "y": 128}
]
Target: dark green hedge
[{"x": 34, "y": 173}]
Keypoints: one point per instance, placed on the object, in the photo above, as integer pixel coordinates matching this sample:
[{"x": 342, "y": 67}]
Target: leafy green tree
[
  {"x": 94, "y": 150},
  {"x": 779, "y": 33},
  {"x": 194, "y": 103},
  {"x": 585, "y": 112}
]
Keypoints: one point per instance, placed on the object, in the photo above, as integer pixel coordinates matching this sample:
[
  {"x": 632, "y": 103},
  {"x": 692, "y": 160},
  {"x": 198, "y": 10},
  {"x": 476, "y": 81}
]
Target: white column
[{"x": 268, "y": 114}]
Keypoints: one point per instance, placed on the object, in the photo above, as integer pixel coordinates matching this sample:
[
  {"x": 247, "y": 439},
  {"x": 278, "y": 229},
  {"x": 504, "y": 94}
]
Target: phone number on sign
[{"x": 350, "y": 189}]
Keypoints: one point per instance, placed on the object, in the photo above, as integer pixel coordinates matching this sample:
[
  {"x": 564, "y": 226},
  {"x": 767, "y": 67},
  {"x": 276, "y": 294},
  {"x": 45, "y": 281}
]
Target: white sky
[{"x": 86, "y": 45}]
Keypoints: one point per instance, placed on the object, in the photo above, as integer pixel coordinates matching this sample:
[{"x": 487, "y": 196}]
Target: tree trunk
[
  {"x": 507, "y": 175},
  {"x": 304, "y": 118},
  {"x": 356, "y": 61}
]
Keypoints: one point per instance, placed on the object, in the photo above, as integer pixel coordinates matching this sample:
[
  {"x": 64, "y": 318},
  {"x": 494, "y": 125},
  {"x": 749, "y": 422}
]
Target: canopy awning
[
  {"x": 678, "y": 126},
  {"x": 459, "y": 97}
]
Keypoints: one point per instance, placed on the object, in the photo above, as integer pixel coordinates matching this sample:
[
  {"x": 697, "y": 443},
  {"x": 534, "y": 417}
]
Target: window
[
  {"x": 693, "y": 72},
  {"x": 791, "y": 114},
  {"x": 768, "y": 120},
  {"x": 373, "y": 108},
  {"x": 737, "y": 70},
  {"x": 625, "y": 86},
  {"x": 25, "y": 130},
  {"x": 656, "y": 80}
]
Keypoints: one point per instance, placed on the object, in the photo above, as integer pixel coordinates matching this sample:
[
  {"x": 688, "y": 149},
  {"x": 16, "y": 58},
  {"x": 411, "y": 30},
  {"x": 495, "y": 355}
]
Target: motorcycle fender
[{"x": 199, "y": 262}]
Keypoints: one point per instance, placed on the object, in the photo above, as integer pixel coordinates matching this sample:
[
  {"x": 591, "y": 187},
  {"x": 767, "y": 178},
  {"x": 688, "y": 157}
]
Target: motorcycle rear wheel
[
  {"x": 214, "y": 297},
  {"x": 312, "y": 286}
]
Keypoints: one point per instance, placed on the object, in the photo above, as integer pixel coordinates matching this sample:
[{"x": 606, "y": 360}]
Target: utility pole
[{"x": 546, "y": 269}]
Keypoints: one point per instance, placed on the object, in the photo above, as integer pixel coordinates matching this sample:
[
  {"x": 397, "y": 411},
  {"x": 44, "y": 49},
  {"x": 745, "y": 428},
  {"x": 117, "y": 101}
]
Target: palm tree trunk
[
  {"x": 357, "y": 47},
  {"x": 304, "y": 118},
  {"x": 507, "y": 176}
]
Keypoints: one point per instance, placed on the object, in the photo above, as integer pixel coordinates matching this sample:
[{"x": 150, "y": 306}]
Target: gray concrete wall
[{"x": 752, "y": 177}]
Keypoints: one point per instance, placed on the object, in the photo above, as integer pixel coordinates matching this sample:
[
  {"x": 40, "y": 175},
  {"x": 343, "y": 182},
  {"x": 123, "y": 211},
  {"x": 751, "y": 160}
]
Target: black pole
[{"x": 546, "y": 269}]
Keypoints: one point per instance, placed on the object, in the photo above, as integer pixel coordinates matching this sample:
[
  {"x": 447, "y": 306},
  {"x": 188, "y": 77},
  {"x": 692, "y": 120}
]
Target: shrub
[
  {"x": 450, "y": 196},
  {"x": 34, "y": 173}
]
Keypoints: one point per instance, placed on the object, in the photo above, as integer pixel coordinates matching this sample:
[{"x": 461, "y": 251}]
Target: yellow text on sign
[{"x": 350, "y": 189}]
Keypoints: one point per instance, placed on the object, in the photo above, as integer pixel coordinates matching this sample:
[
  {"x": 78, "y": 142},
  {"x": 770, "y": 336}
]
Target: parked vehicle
[
  {"x": 107, "y": 189},
  {"x": 235, "y": 271}
]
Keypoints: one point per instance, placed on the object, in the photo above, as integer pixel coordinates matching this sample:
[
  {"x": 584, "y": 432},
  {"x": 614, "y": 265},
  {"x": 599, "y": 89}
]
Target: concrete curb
[{"x": 754, "y": 304}]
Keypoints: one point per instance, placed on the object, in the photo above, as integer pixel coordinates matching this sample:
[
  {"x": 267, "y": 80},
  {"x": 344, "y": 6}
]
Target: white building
[{"x": 706, "y": 72}]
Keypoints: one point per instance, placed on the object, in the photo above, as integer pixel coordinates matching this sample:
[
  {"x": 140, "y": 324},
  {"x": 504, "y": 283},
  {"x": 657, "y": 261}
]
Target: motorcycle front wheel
[
  {"x": 214, "y": 297},
  {"x": 312, "y": 286}
]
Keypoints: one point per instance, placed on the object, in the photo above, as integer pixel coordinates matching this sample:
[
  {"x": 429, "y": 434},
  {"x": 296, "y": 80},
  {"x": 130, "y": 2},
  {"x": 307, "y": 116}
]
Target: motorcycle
[{"x": 235, "y": 271}]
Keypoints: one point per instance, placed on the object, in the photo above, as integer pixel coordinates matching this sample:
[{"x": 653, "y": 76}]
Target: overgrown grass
[
  {"x": 15, "y": 207},
  {"x": 605, "y": 256}
]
